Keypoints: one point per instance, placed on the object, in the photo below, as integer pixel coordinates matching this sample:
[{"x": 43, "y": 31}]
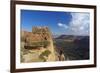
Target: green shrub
[
  {"x": 42, "y": 58},
  {"x": 43, "y": 54}
]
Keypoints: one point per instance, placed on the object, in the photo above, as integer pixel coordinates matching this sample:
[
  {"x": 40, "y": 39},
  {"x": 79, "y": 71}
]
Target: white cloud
[
  {"x": 79, "y": 24},
  {"x": 62, "y": 25}
]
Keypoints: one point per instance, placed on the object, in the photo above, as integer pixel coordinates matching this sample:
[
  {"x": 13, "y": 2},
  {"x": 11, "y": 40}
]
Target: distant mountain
[
  {"x": 65, "y": 37},
  {"x": 83, "y": 42},
  {"x": 83, "y": 47},
  {"x": 74, "y": 47},
  {"x": 55, "y": 36},
  {"x": 72, "y": 37}
]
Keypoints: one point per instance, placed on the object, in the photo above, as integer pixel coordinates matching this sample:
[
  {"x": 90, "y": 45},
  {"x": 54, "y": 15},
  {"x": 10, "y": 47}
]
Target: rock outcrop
[{"x": 39, "y": 45}]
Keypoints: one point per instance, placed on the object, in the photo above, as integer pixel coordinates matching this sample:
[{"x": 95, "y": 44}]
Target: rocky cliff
[{"x": 37, "y": 46}]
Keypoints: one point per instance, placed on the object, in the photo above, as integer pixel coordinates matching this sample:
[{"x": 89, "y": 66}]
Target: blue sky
[{"x": 59, "y": 23}]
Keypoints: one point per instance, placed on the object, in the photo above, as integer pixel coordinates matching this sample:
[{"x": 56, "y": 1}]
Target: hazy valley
[{"x": 74, "y": 47}]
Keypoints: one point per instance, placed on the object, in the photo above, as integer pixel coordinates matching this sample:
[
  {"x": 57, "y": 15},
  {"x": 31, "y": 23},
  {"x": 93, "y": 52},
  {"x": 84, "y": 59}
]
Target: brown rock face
[
  {"x": 37, "y": 34},
  {"x": 43, "y": 32},
  {"x": 40, "y": 37}
]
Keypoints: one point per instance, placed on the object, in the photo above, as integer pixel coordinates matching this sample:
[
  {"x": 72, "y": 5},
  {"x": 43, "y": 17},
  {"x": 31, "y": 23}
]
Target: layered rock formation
[{"x": 39, "y": 45}]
